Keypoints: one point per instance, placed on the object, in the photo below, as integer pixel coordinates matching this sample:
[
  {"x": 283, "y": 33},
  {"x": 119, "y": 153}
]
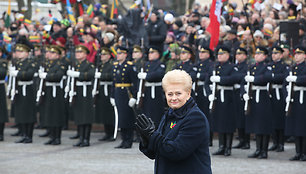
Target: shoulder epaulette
[
  {"x": 129, "y": 62},
  {"x": 116, "y": 63}
]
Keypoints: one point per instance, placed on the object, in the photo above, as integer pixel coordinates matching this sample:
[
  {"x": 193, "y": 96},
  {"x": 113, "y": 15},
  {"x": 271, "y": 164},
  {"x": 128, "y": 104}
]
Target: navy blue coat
[
  {"x": 239, "y": 75},
  {"x": 188, "y": 67},
  {"x": 296, "y": 121},
  {"x": 203, "y": 68},
  {"x": 223, "y": 115},
  {"x": 154, "y": 107},
  {"x": 180, "y": 144},
  {"x": 3, "y": 104},
  {"x": 259, "y": 120},
  {"x": 279, "y": 70},
  {"x": 125, "y": 73}
]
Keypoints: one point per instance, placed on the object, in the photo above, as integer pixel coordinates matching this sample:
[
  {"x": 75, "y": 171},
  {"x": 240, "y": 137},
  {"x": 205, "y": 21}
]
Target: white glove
[
  {"x": 211, "y": 98},
  {"x": 249, "y": 78},
  {"x": 287, "y": 99},
  {"x": 42, "y": 75},
  {"x": 132, "y": 102},
  {"x": 12, "y": 68},
  {"x": 246, "y": 97},
  {"x": 142, "y": 75},
  {"x": 215, "y": 79},
  {"x": 291, "y": 78},
  {"x": 112, "y": 101},
  {"x": 73, "y": 73},
  {"x": 14, "y": 73},
  {"x": 97, "y": 75},
  {"x": 40, "y": 70},
  {"x": 198, "y": 75}
]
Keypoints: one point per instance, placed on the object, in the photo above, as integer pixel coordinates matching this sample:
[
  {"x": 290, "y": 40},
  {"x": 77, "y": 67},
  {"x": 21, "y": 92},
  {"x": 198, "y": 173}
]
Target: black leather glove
[{"x": 145, "y": 126}]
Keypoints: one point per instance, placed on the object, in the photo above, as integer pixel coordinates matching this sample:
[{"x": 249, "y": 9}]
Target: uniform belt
[
  {"x": 24, "y": 85},
  {"x": 122, "y": 85},
  {"x": 222, "y": 89},
  {"x": 258, "y": 89},
  {"x": 152, "y": 85},
  {"x": 2, "y": 81},
  {"x": 301, "y": 89},
  {"x": 277, "y": 92},
  {"x": 202, "y": 83},
  {"x": 84, "y": 84},
  {"x": 53, "y": 85},
  {"x": 105, "y": 84},
  {"x": 236, "y": 86}
]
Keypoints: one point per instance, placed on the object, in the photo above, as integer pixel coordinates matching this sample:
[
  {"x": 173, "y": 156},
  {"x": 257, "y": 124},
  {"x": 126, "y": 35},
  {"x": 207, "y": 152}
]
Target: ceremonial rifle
[
  {"x": 214, "y": 90},
  {"x": 290, "y": 89},
  {"x": 141, "y": 88},
  {"x": 247, "y": 104}
]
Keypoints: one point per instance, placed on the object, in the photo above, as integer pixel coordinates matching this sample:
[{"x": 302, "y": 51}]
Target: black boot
[
  {"x": 52, "y": 136},
  {"x": 81, "y": 135},
  {"x": 303, "y": 156},
  {"x": 22, "y": 128},
  {"x": 221, "y": 149},
  {"x": 58, "y": 132},
  {"x": 128, "y": 142},
  {"x": 29, "y": 133},
  {"x": 265, "y": 145},
  {"x": 298, "y": 149},
  {"x": 47, "y": 133},
  {"x": 108, "y": 134},
  {"x": 19, "y": 132},
  {"x": 240, "y": 138},
  {"x": 275, "y": 141},
  {"x": 122, "y": 133},
  {"x": 1, "y": 131},
  {"x": 228, "y": 144},
  {"x": 86, "y": 141},
  {"x": 281, "y": 141},
  {"x": 78, "y": 133},
  {"x": 258, "y": 147},
  {"x": 246, "y": 141}
]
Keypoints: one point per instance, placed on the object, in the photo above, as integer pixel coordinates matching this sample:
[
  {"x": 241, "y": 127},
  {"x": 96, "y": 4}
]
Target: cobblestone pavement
[{"x": 103, "y": 158}]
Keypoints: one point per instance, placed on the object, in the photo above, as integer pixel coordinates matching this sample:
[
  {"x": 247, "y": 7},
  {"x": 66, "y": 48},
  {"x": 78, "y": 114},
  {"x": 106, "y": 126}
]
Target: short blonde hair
[{"x": 177, "y": 77}]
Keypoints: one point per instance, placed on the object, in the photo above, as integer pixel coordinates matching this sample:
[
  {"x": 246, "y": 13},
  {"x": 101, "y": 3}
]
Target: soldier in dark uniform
[
  {"x": 104, "y": 109},
  {"x": 242, "y": 68},
  {"x": 3, "y": 104},
  {"x": 279, "y": 72},
  {"x": 42, "y": 120},
  {"x": 259, "y": 120},
  {"x": 186, "y": 63},
  {"x": 24, "y": 100},
  {"x": 53, "y": 99},
  {"x": 205, "y": 57},
  {"x": 137, "y": 56},
  {"x": 153, "y": 102},
  {"x": 125, "y": 88},
  {"x": 82, "y": 106},
  {"x": 223, "y": 115},
  {"x": 296, "y": 120}
]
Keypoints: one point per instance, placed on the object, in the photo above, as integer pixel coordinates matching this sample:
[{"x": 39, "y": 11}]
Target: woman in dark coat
[{"x": 180, "y": 144}]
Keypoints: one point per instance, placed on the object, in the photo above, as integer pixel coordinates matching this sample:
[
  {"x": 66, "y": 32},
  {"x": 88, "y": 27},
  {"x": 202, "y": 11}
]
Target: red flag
[{"x": 214, "y": 25}]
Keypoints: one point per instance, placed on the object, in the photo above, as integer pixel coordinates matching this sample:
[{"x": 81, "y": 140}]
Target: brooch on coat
[{"x": 172, "y": 125}]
